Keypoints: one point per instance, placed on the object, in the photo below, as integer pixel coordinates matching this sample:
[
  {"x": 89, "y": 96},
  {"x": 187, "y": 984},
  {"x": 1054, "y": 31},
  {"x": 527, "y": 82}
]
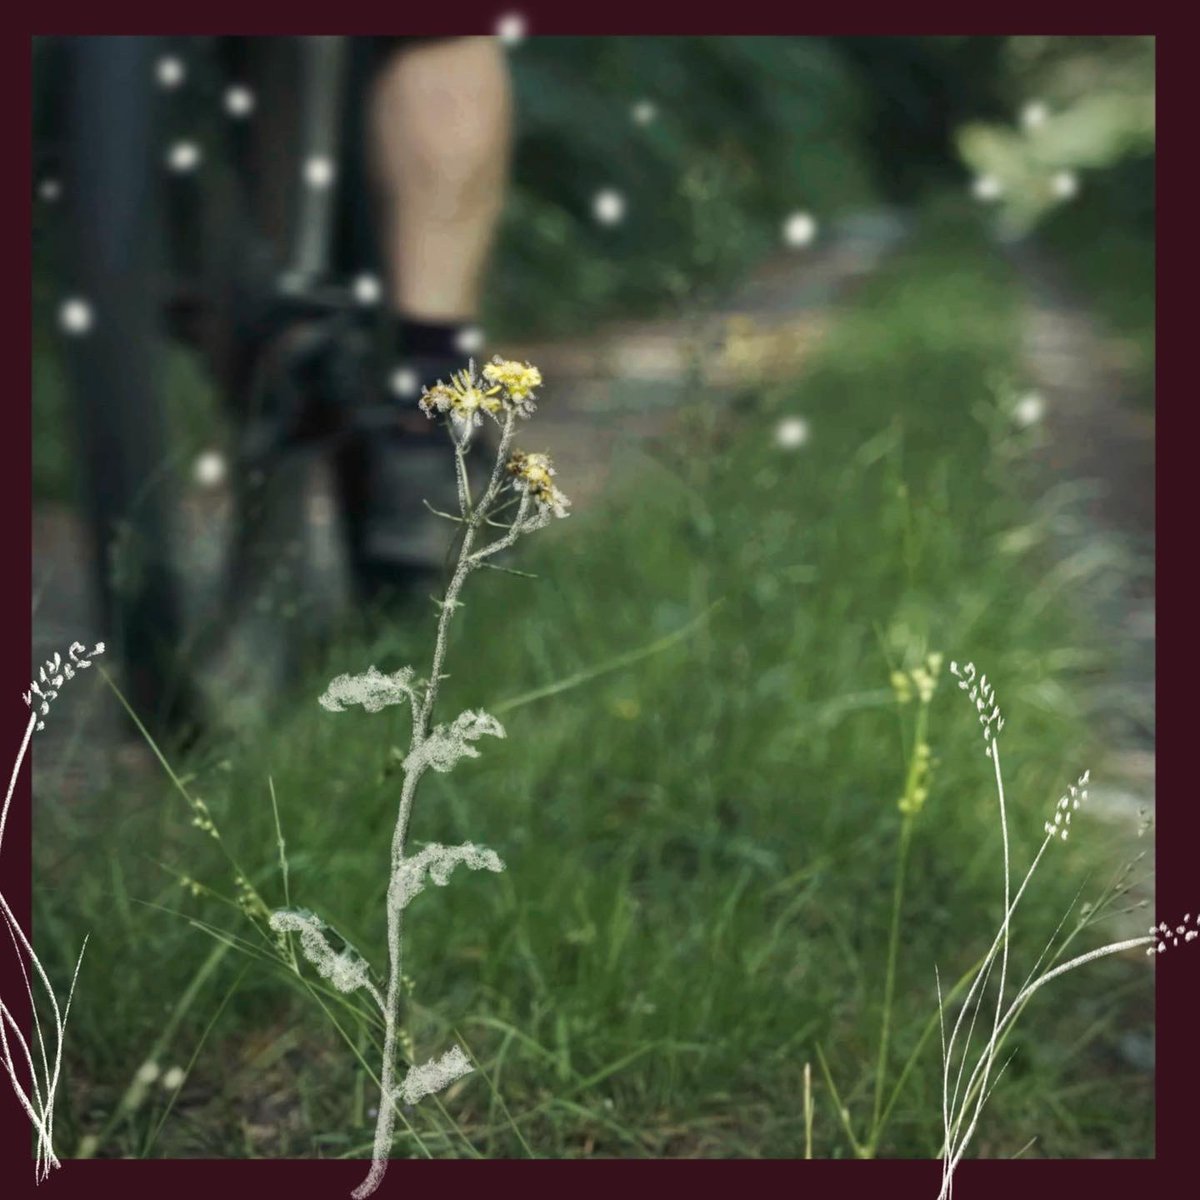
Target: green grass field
[{"x": 700, "y": 843}]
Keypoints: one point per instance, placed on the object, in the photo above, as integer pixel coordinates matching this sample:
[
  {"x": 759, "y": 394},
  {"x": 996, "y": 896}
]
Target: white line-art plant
[
  {"x": 38, "y": 1099},
  {"x": 503, "y": 391},
  {"x": 963, "y": 1100}
]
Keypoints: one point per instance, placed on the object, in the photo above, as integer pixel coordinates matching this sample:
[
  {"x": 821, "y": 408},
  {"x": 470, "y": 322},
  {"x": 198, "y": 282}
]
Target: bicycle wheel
[
  {"x": 288, "y": 355},
  {"x": 115, "y": 367}
]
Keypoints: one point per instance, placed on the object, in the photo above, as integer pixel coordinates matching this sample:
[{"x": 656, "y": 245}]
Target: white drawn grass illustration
[
  {"x": 963, "y": 1100},
  {"x": 37, "y": 1099},
  {"x": 963, "y": 1104},
  {"x": 505, "y": 392}
]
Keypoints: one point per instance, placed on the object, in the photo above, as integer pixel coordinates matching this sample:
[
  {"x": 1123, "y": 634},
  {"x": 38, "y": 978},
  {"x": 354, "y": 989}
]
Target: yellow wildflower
[
  {"x": 517, "y": 379},
  {"x": 532, "y": 474},
  {"x": 464, "y": 398}
]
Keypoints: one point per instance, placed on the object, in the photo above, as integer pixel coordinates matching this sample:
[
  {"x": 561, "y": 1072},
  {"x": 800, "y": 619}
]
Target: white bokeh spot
[
  {"x": 511, "y": 29},
  {"x": 1034, "y": 114},
  {"x": 987, "y": 187},
  {"x": 800, "y": 229},
  {"x": 643, "y": 112},
  {"x": 170, "y": 72},
  {"x": 210, "y": 469},
  {"x": 367, "y": 289},
  {"x": 183, "y": 157},
  {"x": 469, "y": 340},
  {"x": 404, "y": 382},
  {"x": 608, "y": 206},
  {"x": 791, "y": 433},
  {"x": 319, "y": 172},
  {"x": 1029, "y": 410},
  {"x": 1065, "y": 185},
  {"x": 239, "y": 100},
  {"x": 75, "y": 316}
]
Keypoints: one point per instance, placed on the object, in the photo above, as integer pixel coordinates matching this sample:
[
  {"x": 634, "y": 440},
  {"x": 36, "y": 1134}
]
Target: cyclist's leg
[{"x": 437, "y": 129}]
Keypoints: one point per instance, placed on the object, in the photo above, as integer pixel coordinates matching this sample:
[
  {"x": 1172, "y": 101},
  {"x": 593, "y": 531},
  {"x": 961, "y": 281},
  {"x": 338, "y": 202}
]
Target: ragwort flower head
[
  {"x": 518, "y": 381},
  {"x": 503, "y": 387},
  {"x": 465, "y": 398},
  {"x": 533, "y": 475}
]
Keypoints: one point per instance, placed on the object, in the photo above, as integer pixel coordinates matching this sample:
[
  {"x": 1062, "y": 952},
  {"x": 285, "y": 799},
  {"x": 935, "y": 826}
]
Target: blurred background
[{"x": 849, "y": 358}]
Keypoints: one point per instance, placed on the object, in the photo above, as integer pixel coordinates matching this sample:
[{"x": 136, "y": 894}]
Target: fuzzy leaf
[
  {"x": 372, "y": 690},
  {"x": 446, "y": 745},
  {"x": 434, "y": 1075},
  {"x": 439, "y": 861},
  {"x": 346, "y": 969}
]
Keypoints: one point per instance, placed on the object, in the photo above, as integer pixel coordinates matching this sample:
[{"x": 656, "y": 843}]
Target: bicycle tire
[
  {"x": 269, "y": 616},
  {"x": 115, "y": 266}
]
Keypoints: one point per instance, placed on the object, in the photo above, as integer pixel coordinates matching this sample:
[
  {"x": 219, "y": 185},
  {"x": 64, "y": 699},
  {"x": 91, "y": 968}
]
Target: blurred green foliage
[
  {"x": 1078, "y": 105},
  {"x": 745, "y": 131},
  {"x": 917, "y": 91},
  {"x": 1083, "y": 108}
]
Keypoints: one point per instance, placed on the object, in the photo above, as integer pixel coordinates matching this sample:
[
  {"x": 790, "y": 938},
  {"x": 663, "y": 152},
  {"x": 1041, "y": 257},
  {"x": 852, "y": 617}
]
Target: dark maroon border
[{"x": 1178, "y": 814}]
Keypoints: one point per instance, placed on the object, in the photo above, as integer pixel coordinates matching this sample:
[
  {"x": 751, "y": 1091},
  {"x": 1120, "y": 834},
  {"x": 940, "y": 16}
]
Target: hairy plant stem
[{"x": 467, "y": 561}]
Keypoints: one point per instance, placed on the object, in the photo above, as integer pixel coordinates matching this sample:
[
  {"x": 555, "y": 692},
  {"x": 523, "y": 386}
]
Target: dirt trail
[
  {"x": 1101, "y": 442},
  {"x": 626, "y": 380}
]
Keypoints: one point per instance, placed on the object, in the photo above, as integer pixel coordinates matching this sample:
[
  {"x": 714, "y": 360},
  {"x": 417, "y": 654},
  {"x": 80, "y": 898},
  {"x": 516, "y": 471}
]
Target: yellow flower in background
[
  {"x": 924, "y": 683},
  {"x": 901, "y": 686}
]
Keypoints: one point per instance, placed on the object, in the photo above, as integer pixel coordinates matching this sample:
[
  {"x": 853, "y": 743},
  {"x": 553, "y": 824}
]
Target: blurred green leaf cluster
[
  {"x": 743, "y": 132},
  {"x": 1078, "y": 104}
]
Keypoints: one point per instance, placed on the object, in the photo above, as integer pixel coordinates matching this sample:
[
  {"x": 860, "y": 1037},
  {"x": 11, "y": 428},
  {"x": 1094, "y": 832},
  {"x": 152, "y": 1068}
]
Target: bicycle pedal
[{"x": 308, "y": 382}]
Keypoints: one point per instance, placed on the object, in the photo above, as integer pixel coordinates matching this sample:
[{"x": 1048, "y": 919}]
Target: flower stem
[
  {"x": 889, "y": 988},
  {"x": 474, "y": 518},
  {"x": 890, "y": 983}
]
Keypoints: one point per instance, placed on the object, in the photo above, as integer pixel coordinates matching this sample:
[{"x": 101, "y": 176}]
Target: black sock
[
  {"x": 426, "y": 351},
  {"x": 436, "y": 339}
]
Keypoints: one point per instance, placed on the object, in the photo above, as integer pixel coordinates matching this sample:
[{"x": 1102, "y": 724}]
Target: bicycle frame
[{"x": 323, "y": 77}]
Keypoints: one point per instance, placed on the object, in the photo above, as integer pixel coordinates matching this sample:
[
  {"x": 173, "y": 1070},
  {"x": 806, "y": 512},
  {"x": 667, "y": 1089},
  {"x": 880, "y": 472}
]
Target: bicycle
[{"x": 292, "y": 351}]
